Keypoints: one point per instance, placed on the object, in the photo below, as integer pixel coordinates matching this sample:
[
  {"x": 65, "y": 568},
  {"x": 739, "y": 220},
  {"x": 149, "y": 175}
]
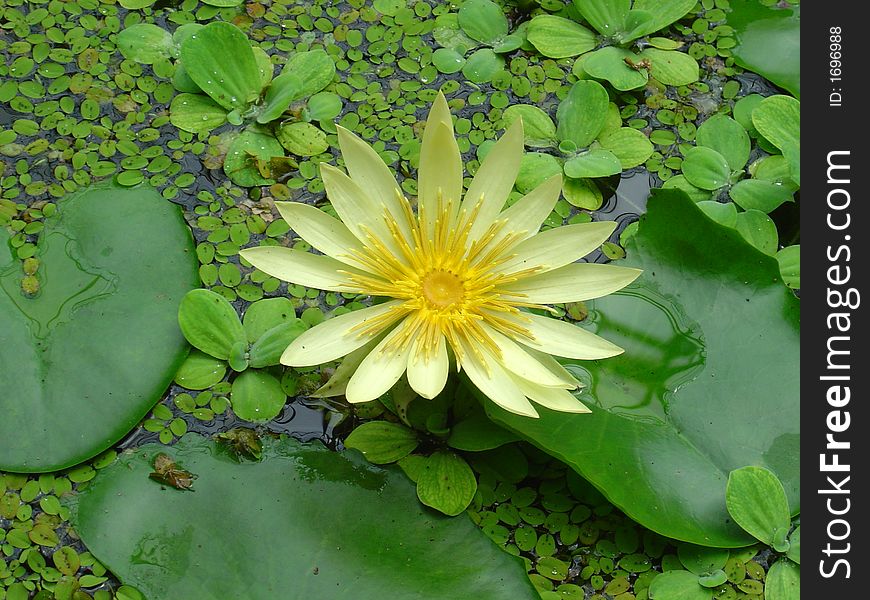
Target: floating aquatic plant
[
  {"x": 590, "y": 138},
  {"x": 462, "y": 277},
  {"x": 223, "y": 79},
  {"x": 210, "y": 323},
  {"x": 477, "y": 23},
  {"x": 611, "y": 54}
]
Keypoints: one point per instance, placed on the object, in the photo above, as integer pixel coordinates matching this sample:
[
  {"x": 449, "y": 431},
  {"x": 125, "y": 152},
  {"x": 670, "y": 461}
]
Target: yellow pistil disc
[{"x": 443, "y": 289}]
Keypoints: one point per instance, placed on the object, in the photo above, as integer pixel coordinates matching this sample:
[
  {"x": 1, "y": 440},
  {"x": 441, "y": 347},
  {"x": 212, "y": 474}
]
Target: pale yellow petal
[
  {"x": 338, "y": 336},
  {"x": 369, "y": 171},
  {"x": 557, "y": 247},
  {"x": 525, "y": 217},
  {"x": 303, "y": 268},
  {"x": 428, "y": 377},
  {"x": 568, "y": 380},
  {"x": 552, "y": 398},
  {"x": 559, "y": 338},
  {"x": 441, "y": 167},
  {"x": 572, "y": 283},
  {"x": 379, "y": 370},
  {"x": 357, "y": 210},
  {"x": 496, "y": 383},
  {"x": 337, "y": 384},
  {"x": 329, "y": 235},
  {"x": 494, "y": 180},
  {"x": 518, "y": 362}
]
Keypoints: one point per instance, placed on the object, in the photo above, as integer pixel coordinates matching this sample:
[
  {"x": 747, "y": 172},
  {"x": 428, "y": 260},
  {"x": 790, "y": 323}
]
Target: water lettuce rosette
[{"x": 463, "y": 276}]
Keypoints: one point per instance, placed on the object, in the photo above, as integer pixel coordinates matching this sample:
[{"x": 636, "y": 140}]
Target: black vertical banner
[{"x": 835, "y": 260}]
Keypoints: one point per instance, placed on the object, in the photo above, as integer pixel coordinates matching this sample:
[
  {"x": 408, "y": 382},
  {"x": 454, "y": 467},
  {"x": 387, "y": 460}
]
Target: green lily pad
[
  {"x": 671, "y": 67},
  {"x": 379, "y": 536},
  {"x": 146, "y": 43},
  {"x": 680, "y": 409},
  {"x": 678, "y": 585},
  {"x": 257, "y": 396},
  {"x": 757, "y": 501},
  {"x": 783, "y": 581},
  {"x": 448, "y": 60},
  {"x": 768, "y": 41},
  {"x": 233, "y": 84},
  {"x": 323, "y": 106},
  {"x": 482, "y": 65},
  {"x": 705, "y": 168},
  {"x": 582, "y": 114},
  {"x": 778, "y": 119},
  {"x": 302, "y": 139},
  {"x": 557, "y": 37},
  {"x": 539, "y": 131},
  {"x": 98, "y": 345},
  {"x": 727, "y": 137},
  {"x": 483, "y": 21},
  {"x": 196, "y": 113},
  {"x": 596, "y": 162},
  {"x": 610, "y": 64}
]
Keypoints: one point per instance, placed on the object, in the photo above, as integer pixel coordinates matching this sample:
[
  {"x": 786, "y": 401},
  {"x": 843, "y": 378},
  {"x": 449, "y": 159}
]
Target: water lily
[{"x": 460, "y": 275}]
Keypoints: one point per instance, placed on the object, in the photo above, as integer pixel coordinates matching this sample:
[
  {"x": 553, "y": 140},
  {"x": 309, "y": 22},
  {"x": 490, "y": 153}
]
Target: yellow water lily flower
[{"x": 458, "y": 274}]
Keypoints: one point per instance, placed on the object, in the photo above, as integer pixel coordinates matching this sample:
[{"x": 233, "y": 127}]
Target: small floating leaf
[
  {"x": 446, "y": 483},
  {"x": 382, "y": 442},
  {"x": 757, "y": 501},
  {"x": 231, "y": 83},
  {"x": 257, "y": 396},
  {"x": 146, "y": 43},
  {"x": 210, "y": 323}
]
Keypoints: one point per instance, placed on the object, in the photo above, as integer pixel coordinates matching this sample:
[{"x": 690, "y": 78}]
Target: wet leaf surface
[
  {"x": 337, "y": 528},
  {"x": 97, "y": 346},
  {"x": 680, "y": 409}
]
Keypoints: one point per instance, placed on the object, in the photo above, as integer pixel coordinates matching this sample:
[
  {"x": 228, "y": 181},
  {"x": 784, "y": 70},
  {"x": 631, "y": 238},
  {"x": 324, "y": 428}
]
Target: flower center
[{"x": 443, "y": 289}]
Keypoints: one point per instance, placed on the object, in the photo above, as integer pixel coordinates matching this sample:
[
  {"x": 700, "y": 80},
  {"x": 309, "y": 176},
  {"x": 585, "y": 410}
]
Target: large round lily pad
[
  {"x": 88, "y": 356},
  {"x": 708, "y": 382},
  {"x": 304, "y": 523},
  {"x": 768, "y": 41}
]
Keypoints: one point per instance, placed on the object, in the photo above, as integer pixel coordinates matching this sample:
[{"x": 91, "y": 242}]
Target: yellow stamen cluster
[{"x": 447, "y": 285}]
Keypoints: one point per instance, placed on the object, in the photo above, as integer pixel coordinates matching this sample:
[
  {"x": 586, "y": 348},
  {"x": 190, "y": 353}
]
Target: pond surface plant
[
  {"x": 610, "y": 55},
  {"x": 677, "y": 475}
]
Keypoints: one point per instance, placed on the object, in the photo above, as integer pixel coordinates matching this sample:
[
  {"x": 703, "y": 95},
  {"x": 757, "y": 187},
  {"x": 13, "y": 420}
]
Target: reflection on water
[{"x": 664, "y": 350}]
